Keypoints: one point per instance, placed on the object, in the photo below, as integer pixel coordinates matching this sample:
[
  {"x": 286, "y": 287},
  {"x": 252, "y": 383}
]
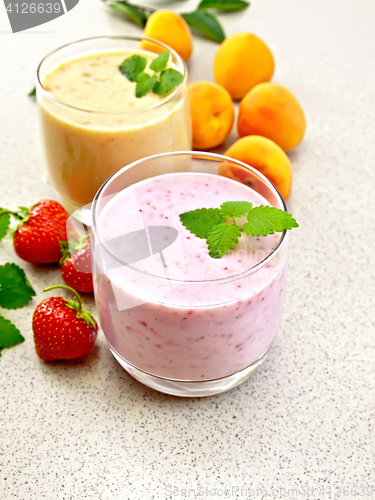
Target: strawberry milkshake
[{"x": 178, "y": 313}]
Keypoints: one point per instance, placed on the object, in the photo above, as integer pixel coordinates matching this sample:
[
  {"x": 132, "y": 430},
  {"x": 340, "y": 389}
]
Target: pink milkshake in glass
[{"x": 175, "y": 318}]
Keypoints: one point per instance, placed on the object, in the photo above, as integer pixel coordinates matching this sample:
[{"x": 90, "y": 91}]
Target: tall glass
[
  {"x": 174, "y": 330},
  {"x": 83, "y": 147}
]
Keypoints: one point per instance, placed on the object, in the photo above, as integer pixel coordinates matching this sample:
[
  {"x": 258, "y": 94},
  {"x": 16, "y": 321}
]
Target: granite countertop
[{"x": 306, "y": 418}]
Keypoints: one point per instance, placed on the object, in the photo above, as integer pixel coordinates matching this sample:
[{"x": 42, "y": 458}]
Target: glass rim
[
  {"x": 167, "y": 98},
  {"x": 213, "y": 156}
]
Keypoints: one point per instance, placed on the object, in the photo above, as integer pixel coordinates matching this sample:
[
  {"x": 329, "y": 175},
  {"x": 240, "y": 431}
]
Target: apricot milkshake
[
  {"x": 183, "y": 315},
  {"x": 92, "y": 124}
]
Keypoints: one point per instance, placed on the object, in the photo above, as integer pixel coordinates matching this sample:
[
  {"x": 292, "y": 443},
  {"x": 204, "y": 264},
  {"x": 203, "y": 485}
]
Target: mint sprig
[
  {"x": 209, "y": 224},
  {"x": 163, "y": 81},
  {"x": 132, "y": 66},
  {"x": 15, "y": 292},
  {"x": 15, "y": 289},
  {"x": 222, "y": 238},
  {"x": 9, "y": 334}
]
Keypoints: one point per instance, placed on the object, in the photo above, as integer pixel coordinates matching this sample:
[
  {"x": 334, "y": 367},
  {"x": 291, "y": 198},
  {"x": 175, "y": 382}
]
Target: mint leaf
[
  {"x": 160, "y": 62},
  {"x": 222, "y": 238},
  {"x": 224, "y": 5},
  {"x": 145, "y": 83},
  {"x": 9, "y": 335},
  {"x": 235, "y": 208},
  {"x": 132, "y": 12},
  {"x": 4, "y": 224},
  {"x": 201, "y": 221},
  {"x": 15, "y": 290},
  {"x": 206, "y": 23},
  {"x": 32, "y": 92},
  {"x": 265, "y": 220},
  {"x": 132, "y": 66},
  {"x": 169, "y": 79}
]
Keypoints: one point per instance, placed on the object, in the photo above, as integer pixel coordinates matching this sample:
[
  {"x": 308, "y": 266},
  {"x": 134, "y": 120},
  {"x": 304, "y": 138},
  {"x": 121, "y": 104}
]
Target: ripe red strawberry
[
  {"x": 76, "y": 267},
  {"x": 62, "y": 328},
  {"x": 39, "y": 231}
]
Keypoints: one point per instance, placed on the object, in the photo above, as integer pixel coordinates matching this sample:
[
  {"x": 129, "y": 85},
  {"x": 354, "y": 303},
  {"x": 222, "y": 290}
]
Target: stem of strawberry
[
  {"x": 10, "y": 212},
  {"x": 76, "y": 304},
  {"x": 78, "y": 297}
]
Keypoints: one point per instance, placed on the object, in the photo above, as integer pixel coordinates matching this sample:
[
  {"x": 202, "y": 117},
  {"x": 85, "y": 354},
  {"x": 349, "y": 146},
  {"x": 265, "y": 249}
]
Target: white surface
[{"x": 306, "y": 419}]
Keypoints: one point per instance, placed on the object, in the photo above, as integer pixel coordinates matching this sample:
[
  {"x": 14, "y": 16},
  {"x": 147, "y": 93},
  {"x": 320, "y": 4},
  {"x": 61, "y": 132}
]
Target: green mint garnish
[
  {"x": 132, "y": 66},
  {"x": 163, "y": 81},
  {"x": 265, "y": 220},
  {"x": 209, "y": 223},
  {"x": 160, "y": 62},
  {"x": 222, "y": 238},
  {"x": 169, "y": 80},
  {"x": 145, "y": 83},
  {"x": 15, "y": 290},
  {"x": 235, "y": 208},
  {"x": 201, "y": 221}
]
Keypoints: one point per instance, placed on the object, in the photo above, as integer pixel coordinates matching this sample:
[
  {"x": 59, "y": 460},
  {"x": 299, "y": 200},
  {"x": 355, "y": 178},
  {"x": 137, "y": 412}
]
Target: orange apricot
[
  {"x": 242, "y": 61},
  {"x": 263, "y": 155},
  {"x": 212, "y": 114},
  {"x": 272, "y": 111},
  {"x": 170, "y": 28}
]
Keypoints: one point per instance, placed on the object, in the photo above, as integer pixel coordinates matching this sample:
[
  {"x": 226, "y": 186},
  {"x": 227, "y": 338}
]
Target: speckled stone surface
[{"x": 306, "y": 419}]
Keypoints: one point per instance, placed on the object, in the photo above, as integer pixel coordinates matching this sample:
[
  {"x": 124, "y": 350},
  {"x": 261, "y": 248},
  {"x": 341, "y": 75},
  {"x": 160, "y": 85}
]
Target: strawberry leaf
[
  {"x": 15, "y": 289},
  {"x": 9, "y": 334}
]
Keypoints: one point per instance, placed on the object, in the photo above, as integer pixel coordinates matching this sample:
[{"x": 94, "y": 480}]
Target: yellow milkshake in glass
[{"x": 91, "y": 122}]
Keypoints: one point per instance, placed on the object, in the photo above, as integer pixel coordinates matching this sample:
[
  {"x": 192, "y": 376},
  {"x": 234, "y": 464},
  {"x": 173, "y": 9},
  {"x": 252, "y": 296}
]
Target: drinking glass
[
  {"x": 82, "y": 148},
  {"x": 179, "y": 333}
]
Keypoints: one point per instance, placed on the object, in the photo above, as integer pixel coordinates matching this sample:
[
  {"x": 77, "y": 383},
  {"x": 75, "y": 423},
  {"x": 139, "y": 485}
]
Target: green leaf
[
  {"x": 206, "y": 23},
  {"x": 132, "y": 12},
  {"x": 201, "y": 221},
  {"x": 132, "y": 66},
  {"x": 222, "y": 238},
  {"x": 4, "y": 224},
  {"x": 265, "y": 220},
  {"x": 145, "y": 83},
  {"x": 224, "y": 5},
  {"x": 9, "y": 335},
  {"x": 15, "y": 289},
  {"x": 32, "y": 92},
  {"x": 235, "y": 208},
  {"x": 160, "y": 62},
  {"x": 169, "y": 80}
]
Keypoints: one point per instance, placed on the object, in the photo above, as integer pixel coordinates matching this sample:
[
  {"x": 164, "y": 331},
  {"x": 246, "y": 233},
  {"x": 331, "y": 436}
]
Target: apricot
[
  {"x": 272, "y": 111},
  {"x": 242, "y": 61},
  {"x": 266, "y": 157},
  {"x": 212, "y": 114},
  {"x": 170, "y": 28}
]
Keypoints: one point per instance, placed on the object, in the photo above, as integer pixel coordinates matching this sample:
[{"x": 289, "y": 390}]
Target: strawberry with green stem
[
  {"x": 62, "y": 328},
  {"x": 76, "y": 267},
  {"x": 38, "y": 231}
]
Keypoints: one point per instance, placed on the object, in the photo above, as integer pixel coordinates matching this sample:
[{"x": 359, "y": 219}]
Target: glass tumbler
[
  {"x": 174, "y": 329},
  {"x": 83, "y": 147}
]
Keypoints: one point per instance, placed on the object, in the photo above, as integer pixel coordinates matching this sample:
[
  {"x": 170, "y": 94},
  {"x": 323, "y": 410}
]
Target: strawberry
[
  {"x": 62, "y": 328},
  {"x": 76, "y": 264},
  {"x": 39, "y": 231}
]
